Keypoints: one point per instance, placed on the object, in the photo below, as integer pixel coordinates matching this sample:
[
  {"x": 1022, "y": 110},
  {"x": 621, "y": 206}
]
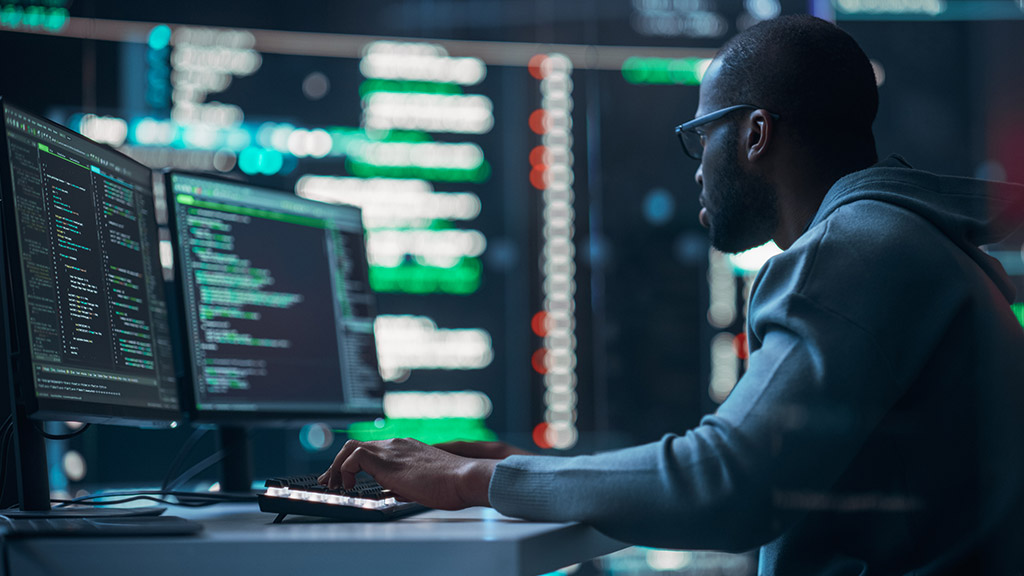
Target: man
[{"x": 879, "y": 428}]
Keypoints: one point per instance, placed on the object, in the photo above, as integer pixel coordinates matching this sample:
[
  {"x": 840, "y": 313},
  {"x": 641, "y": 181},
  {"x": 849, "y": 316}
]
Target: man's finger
[
  {"x": 333, "y": 470},
  {"x": 352, "y": 465}
]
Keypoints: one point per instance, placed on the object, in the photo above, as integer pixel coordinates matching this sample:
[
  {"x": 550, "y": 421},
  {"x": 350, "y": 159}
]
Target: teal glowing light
[
  {"x": 10, "y": 16},
  {"x": 56, "y": 19},
  {"x": 260, "y": 161},
  {"x": 316, "y": 437},
  {"x": 52, "y": 19},
  {"x": 34, "y": 16},
  {"x": 160, "y": 37}
]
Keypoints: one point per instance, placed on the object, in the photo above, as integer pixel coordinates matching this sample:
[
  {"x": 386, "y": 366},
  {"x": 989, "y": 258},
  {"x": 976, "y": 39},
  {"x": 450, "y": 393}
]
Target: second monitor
[{"x": 276, "y": 310}]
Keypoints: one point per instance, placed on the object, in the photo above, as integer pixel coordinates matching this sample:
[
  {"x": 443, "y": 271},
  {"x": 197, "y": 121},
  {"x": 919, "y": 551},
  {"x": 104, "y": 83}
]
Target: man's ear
[{"x": 759, "y": 135}]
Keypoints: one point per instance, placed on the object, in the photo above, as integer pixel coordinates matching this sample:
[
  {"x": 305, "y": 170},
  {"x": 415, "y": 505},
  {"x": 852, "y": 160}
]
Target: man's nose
[{"x": 699, "y": 176}]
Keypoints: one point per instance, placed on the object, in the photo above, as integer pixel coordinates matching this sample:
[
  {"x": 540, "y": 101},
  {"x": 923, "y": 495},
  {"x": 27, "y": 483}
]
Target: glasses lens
[{"x": 691, "y": 144}]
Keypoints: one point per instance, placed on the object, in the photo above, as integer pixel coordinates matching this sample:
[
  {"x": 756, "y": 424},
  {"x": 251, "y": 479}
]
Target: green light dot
[
  {"x": 633, "y": 71},
  {"x": 684, "y": 71}
]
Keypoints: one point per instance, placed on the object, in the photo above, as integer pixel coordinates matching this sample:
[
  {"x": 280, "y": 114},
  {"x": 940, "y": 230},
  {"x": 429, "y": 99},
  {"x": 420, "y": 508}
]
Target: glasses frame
[{"x": 690, "y": 127}]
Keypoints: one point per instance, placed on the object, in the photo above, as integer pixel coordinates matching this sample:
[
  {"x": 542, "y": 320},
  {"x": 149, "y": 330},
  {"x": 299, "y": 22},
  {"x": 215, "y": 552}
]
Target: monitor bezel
[
  {"x": 20, "y": 354},
  {"x": 179, "y": 331}
]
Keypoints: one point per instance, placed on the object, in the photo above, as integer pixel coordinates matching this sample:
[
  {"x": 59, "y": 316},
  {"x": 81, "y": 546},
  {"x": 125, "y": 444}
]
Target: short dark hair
[{"x": 811, "y": 73}]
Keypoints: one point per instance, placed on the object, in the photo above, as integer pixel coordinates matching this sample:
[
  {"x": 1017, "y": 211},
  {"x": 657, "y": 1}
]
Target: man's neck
[
  {"x": 799, "y": 200},
  {"x": 799, "y": 191}
]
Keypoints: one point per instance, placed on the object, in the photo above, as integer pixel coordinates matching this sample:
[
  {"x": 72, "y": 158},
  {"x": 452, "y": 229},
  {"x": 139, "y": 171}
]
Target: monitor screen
[
  {"x": 277, "y": 311},
  {"x": 91, "y": 338}
]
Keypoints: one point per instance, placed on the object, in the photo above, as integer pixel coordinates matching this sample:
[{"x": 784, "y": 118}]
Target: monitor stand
[
  {"x": 34, "y": 483},
  {"x": 236, "y": 467}
]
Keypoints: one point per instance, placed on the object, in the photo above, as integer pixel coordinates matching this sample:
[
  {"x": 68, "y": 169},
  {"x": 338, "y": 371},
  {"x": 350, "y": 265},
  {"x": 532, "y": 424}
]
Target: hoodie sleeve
[{"x": 817, "y": 384}]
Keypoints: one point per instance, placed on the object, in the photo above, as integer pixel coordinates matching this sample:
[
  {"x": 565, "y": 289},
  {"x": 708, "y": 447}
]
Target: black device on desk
[
  {"x": 277, "y": 315},
  {"x": 84, "y": 330}
]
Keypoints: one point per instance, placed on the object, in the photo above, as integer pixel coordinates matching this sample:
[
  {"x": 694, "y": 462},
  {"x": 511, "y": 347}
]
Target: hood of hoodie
[{"x": 970, "y": 212}]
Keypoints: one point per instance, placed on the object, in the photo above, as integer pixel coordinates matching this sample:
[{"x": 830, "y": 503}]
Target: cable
[
  {"x": 8, "y": 429},
  {"x": 68, "y": 436},
  {"x": 6, "y": 437},
  {"x": 189, "y": 499},
  {"x": 157, "y": 499},
  {"x": 196, "y": 469},
  {"x": 5, "y": 450},
  {"x": 193, "y": 439},
  {"x": 99, "y": 499}
]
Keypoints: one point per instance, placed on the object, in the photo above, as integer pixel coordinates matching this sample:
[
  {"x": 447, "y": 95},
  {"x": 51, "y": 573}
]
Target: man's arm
[
  {"x": 817, "y": 385},
  {"x": 787, "y": 426},
  {"x": 490, "y": 450}
]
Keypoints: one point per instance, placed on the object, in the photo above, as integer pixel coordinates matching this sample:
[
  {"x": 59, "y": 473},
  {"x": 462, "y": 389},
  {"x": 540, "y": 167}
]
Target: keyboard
[{"x": 367, "y": 501}]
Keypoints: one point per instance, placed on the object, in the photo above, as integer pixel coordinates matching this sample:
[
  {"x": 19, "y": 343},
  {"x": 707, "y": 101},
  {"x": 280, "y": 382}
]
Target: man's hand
[
  {"x": 492, "y": 450},
  {"x": 414, "y": 471}
]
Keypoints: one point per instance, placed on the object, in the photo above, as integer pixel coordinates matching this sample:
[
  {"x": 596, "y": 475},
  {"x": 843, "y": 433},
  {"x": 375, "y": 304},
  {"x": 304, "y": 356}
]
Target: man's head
[{"x": 812, "y": 97}]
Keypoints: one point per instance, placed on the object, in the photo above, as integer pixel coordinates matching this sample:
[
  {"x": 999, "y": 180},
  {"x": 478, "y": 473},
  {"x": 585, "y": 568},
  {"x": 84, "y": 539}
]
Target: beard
[{"x": 743, "y": 211}]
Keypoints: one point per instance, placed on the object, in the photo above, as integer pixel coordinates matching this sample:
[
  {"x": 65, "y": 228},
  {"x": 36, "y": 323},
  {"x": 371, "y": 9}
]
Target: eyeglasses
[{"x": 693, "y": 141}]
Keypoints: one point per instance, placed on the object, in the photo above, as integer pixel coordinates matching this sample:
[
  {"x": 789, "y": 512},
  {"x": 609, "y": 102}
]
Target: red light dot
[
  {"x": 537, "y": 177},
  {"x": 537, "y": 156},
  {"x": 537, "y": 121},
  {"x": 540, "y": 435},
  {"x": 535, "y": 64},
  {"x": 539, "y": 323},
  {"x": 538, "y": 361},
  {"x": 739, "y": 343}
]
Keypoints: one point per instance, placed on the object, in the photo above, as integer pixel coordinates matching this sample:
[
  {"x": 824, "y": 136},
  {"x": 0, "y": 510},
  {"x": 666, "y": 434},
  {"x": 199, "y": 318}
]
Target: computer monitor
[
  {"x": 85, "y": 316},
  {"x": 277, "y": 315}
]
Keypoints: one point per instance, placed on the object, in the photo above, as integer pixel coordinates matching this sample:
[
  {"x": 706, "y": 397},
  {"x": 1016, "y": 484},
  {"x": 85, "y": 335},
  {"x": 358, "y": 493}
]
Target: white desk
[{"x": 238, "y": 539}]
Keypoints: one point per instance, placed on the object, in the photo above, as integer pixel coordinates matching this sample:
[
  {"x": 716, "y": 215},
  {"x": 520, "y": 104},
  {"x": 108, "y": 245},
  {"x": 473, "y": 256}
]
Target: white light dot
[
  {"x": 316, "y": 85},
  {"x": 74, "y": 465},
  {"x": 224, "y": 160},
  {"x": 668, "y": 560}
]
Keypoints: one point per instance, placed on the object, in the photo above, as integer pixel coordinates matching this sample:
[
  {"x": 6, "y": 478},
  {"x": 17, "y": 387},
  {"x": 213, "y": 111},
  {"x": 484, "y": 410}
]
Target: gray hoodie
[{"x": 879, "y": 428}]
